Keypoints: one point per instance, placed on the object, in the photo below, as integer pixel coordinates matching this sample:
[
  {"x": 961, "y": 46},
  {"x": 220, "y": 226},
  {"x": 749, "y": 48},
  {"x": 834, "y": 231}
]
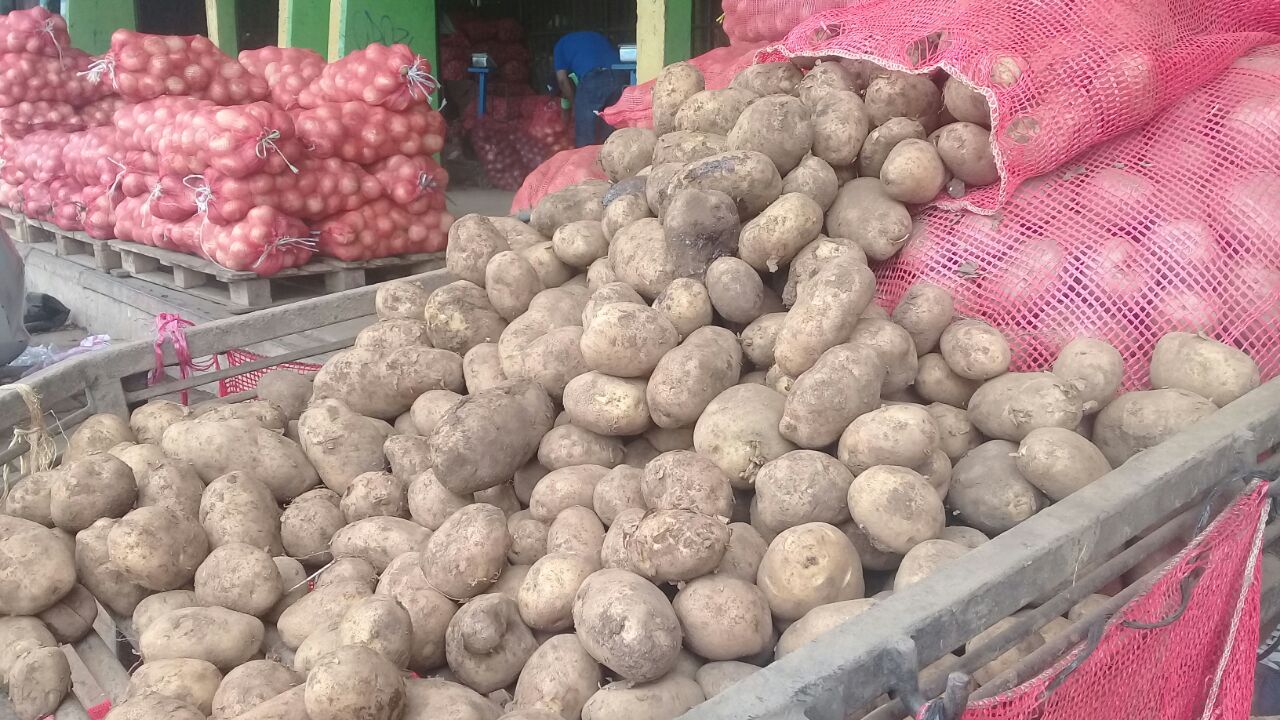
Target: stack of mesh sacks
[{"x": 517, "y": 135}]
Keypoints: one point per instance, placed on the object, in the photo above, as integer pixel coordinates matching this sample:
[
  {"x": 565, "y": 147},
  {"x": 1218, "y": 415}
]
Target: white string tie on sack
[{"x": 268, "y": 142}]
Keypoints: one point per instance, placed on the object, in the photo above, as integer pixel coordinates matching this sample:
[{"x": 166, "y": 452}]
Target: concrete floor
[{"x": 485, "y": 201}]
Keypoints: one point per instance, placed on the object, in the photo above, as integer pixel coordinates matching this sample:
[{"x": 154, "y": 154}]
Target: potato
[
  {"x": 777, "y": 234},
  {"x": 399, "y": 299},
  {"x": 570, "y": 445},
  {"x": 768, "y": 78},
  {"x": 1206, "y": 367},
  {"x": 814, "y": 179},
  {"x": 431, "y": 698},
  {"x": 564, "y": 488},
  {"x": 29, "y": 498},
  {"x": 473, "y": 241},
  {"x": 347, "y": 569},
  {"x": 459, "y": 315},
  {"x": 1029, "y": 644},
  {"x": 509, "y": 284},
  {"x": 638, "y": 255},
  {"x": 148, "y": 706},
  {"x": 374, "y": 494},
  {"x": 1014, "y": 404},
  {"x": 749, "y": 177},
  {"x": 528, "y": 538},
  {"x": 965, "y": 103},
  {"x": 864, "y": 213},
  {"x": 193, "y": 682},
  {"x": 18, "y": 635},
  {"x": 688, "y": 378},
  {"x": 898, "y": 94},
  {"x": 902, "y": 435},
  {"x": 487, "y": 644},
  {"x": 38, "y": 681},
  {"x": 486, "y": 437},
  {"x": 466, "y": 555},
  {"x": 1059, "y": 461},
  {"x": 222, "y": 637},
  {"x": 937, "y": 382},
  {"x": 607, "y": 405},
  {"x": 617, "y": 491},
  {"x": 430, "y": 503},
  {"x": 429, "y": 611},
  {"x": 896, "y": 507},
  {"x": 723, "y": 617},
  {"x": 169, "y": 484},
  {"x": 683, "y": 480},
  {"x": 843, "y": 384},
  {"x": 988, "y": 492},
  {"x": 667, "y": 697},
  {"x": 92, "y": 567},
  {"x": 742, "y": 557},
  {"x": 98, "y": 433},
  {"x": 735, "y": 290},
  {"x": 93, "y": 487},
  {"x": 824, "y": 315},
  {"x": 546, "y": 596},
  {"x": 238, "y": 508},
  {"x": 408, "y": 455},
  {"x": 149, "y": 421},
  {"x": 582, "y": 201},
  {"x": 618, "y": 214},
  {"x": 518, "y": 234},
  {"x": 72, "y": 617},
  {"x": 158, "y": 548},
  {"x": 394, "y": 334},
  {"x": 716, "y": 677},
  {"x": 962, "y": 535},
  {"x": 882, "y": 140},
  {"x": 260, "y": 412},
  {"x": 818, "y": 622},
  {"x": 924, "y": 312},
  {"x": 576, "y": 529},
  {"x": 975, "y": 350},
  {"x": 309, "y": 523},
  {"x": 807, "y": 566},
  {"x": 580, "y": 243},
  {"x": 895, "y": 348},
  {"x": 617, "y": 292},
  {"x": 379, "y": 540},
  {"x": 324, "y": 606},
  {"x": 956, "y": 435},
  {"x": 675, "y": 84},
  {"x": 250, "y": 685},
  {"x": 802, "y": 486},
  {"x": 965, "y": 150},
  {"x": 739, "y": 431},
  {"x": 1136, "y": 421},
  {"x": 382, "y": 384},
  {"x": 840, "y": 126},
  {"x": 713, "y": 111},
  {"x": 913, "y": 172},
  {"x": 553, "y": 359},
  {"x": 1094, "y": 368},
  {"x": 682, "y": 146},
  {"x": 627, "y": 340},
  {"x": 238, "y": 577},
  {"x": 241, "y": 445},
  {"x": 610, "y": 599},
  {"x": 780, "y": 126},
  {"x": 558, "y": 678},
  {"x": 698, "y": 226},
  {"x": 759, "y": 339},
  {"x": 658, "y": 183},
  {"x": 626, "y": 152},
  {"x": 822, "y": 78},
  {"x": 687, "y": 304},
  {"x": 923, "y": 559},
  {"x": 380, "y": 623},
  {"x": 354, "y": 682}
]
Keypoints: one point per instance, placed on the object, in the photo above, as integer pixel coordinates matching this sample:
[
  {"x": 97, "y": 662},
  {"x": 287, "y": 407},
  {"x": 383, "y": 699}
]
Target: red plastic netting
[
  {"x": 1061, "y": 77},
  {"x": 1172, "y": 227},
  {"x": 249, "y": 380},
  {"x": 1196, "y": 667},
  {"x": 635, "y": 107},
  {"x": 288, "y": 71},
  {"x": 562, "y": 170},
  {"x": 763, "y": 20},
  {"x": 36, "y": 31}
]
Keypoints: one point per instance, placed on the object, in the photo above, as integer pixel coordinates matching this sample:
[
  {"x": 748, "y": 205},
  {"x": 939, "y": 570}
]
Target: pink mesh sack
[
  {"x": 1060, "y": 77},
  {"x": 764, "y": 20},
  {"x": 288, "y": 71},
  {"x": 563, "y": 169},
  {"x": 635, "y": 107},
  {"x": 1172, "y": 227}
]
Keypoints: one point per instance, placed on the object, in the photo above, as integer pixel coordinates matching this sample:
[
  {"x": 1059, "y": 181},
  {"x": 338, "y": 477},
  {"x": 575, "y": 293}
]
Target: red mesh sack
[
  {"x": 417, "y": 183},
  {"x": 99, "y": 212},
  {"x": 27, "y": 77},
  {"x": 36, "y": 31},
  {"x": 37, "y": 202},
  {"x": 236, "y": 141},
  {"x": 101, "y": 112},
  {"x": 143, "y": 67},
  {"x": 249, "y": 380},
  {"x": 135, "y": 223},
  {"x": 265, "y": 242},
  {"x": 288, "y": 71},
  {"x": 391, "y": 76},
  {"x": 1060, "y": 78},
  {"x": 635, "y": 107},
  {"x": 39, "y": 155},
  {"x": 27, "y": 117},
  {"x": 68, "y": 210},
  {"x": 11, "y": 196},
  {"x": 763, "y": 20},
  {"x": 500, "y": 147},
  {"x": 320, "y": 188},
  {"x": 87, "y": 156},
  {"x": 382, "y": 229},
  {"x": 143, "y": 125},
  {"x": 364, "y": 134},
  {"x": 173, "y": 198},
  {"x": 562, "y": 170},
  {"x": 1172, "y": 227}
]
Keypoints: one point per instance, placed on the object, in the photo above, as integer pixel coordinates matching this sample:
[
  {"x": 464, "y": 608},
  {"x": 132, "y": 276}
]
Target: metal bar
[
  {"x": 1001, "y": 576},
  {"x": 178, "y": 384}
]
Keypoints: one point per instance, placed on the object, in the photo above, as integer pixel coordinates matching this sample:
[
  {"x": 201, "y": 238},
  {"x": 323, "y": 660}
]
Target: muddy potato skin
[
  {"x": 685, "y": 146},
  {"x": 1136, "y": 421},
  {"x": 988, "y": 492},
  {"x": 814, "y": 178},
  {"x": 1094, "y": 368},
  {"x": 158, "y": 548},
  {"x": 38, "y": 681},
  {"x": 819, "y": 621},
  {"x": 965, "y": 149},
  {"x": 583, "y": 201},
  {"x": 558, "y": 680},
  {"x": 545, "y": 598},
  {"x": 251, "y": 684},
  {"x": 1059, "y": 461},
  {"x": 684, "y": 480},
  {"x": 749, "y": 177},
  {"x": 924, "y": 311},
  {"x": 713, "y": 111},
  {"x": 902, "y": 435},
  {"x": 484, "y": 438},
  {"x": 675, "y": 84},
  {"x": 768, "y": 78},
  {"x": 151, "y": 705},
  {"x": 865, "y": 213},
  {"x": 896, "y": 507},
  {"x": 772, "y": 238},
  {"x": 883, "y": 139},
  {"x": 354, "y": 682},
  {"x": 779, "y": 126},
  {"x": 1012, "y": 405},
  {"x": 93, "y": 487},
  {"x": 739, "y": 431},
  {"x": 724, "y": 618},
  {"x": 627, "y": 340},
  {"x": 190, "y": 681},
  {"x": 964, "y": 103},
  {"x": 844, "y": 383},
  {"x": 487, "y": 643},
  {"x": 238, "y": 508},
  {"x": 825, "y": 313},
  {"x": 925, "y": 558},
  {"x": 896, "y": 94},
  {"x": 807, "y": 566},
  {"x": 607, "y": 405},
  {"x": 913, "y": 172},
  {"x": 94, "y": 570},
  {"x": 840, "y": 126},
  {"x": 799, "y": 487},
  {"x": 687, "y": 378},
  {"x": 698, "y": 227},
  {"x": 612, "y": 598},
  {"x": 687, "y": 304},
  {"x": 626, "y": 152},
  {"x": 1203, "y": 366},
  {"x": 759, "y": 339},
  {"x": 975, "y": 350},
  {"x": 222, "y": 637},
  {"x": 473, "y": 241},
  {"x": 466, "y": 555}
]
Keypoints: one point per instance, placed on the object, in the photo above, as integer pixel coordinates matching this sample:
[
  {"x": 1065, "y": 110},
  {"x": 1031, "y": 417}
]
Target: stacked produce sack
[
  {"x": 518, "y": 137},
  {"x": 502, "y": 39},
  {"x": 256, "y": 164},
  {"x": 668, "y": 401}
]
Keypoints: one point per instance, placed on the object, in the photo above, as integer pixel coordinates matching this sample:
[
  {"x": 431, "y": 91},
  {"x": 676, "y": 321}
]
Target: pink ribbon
[{"x": 172, "y": 328}]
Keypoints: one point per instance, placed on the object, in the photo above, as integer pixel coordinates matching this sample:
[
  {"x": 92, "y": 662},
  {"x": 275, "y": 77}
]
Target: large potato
[
  {"x": 149, "y": 421},
  {"x": 818, "y": 622},
  {"x": 807, "y": 566},
  {"x": 399, "y": 299},
  {"x": 639, "y": 254},
  {"x": 618, "y": 491},
  {"x": 866, "y": 214},
  {"x": 899, "y": 94},
  {"x": 510, "y": 284},
  {"x": 844, "y": 383},
  {"x": 98, "y": 433},
  {"x": 988, "y": 492},
  {"x": 618, "y": 214},
  {"x": 222, "y": 637},
  {"x": 923, "y": 559},
  {"x": 965, "y": 150},
  {"x": 610, "y": 599},
  {"x": 760, "y": 337},
  {"x": 815, "y": 179},
  {"x": 95, "y": 486},
  {"x": 1012, "y": 405},
  {"x": 724, "y": 618},
  {"x": 29, "y": 498},
  {"x": 564, "y": 488},
  {"x": 486, "y": 437},
  {"x": 473, "y": 241},
  {"x": 487, "y": 644},
  {"x": 824, "y": 315},
  {"x": 546, "y": 596},
  {"x": 736, "y": 290},
  {"x": 576, "y": 202},
  {"x": 372, "y": 494},
  {"x": 215, "y": 449},
  {"x": 384, "y": 384},
  {"x": 576, "y": 530},
  {"x": 459, "y": 315},
  {"x": 658, "y": 183},
  {"x": 713, "y": 111},
  {"x": 159, "y": 548},
  {"x": 238, "y": 508},
  {"x": 559, "y": 677},
  {"x": 840, "y": 126},
  {"x": 250, "y": 685},
  {"x": 432, "y": 698},
  {"x": 768, "y": 78},
  {"x": 72, "y": 618},
  {"x": 381, "y": 624},
  {"x": 802, "y": 486},
  {"x": 747, "y": 176},
  {"x": 974, "y": 349},
  {"x": 379, "y": 540},
  {"x": 626, "y": 152},
  {"x": 739, "y": 431},
  {"x": 429, "y": 611},
  {"x": 675, "y": 84},
  {"x": 354, "y": 682},
  {"x": 882, "y": 140},
  {"x": 569, "y": 445},
  {"x": 627, "y": 340},
  {"x": 1206, "y": 367},
  {"x": 687, "y": 304},
  {"x": 668, "y": 697},
  {"x": 780, "y": 126},
  {"x": 686, "y": 379},
  {"x": 938, "y": 383},
  {"x": 92, "y": 567},
  {"x": 684, "y": 480},
  {"x": 676, "y": 545},
  {"x": 897, "y": 352},
  {"x": 36, "y": 568},
  {"x": 913, "y": 172},
  {"x": 1059, "y": 461},
  {"x": 38, "y": 681},
  {"x": 309, "y": 523},
  {"x": 151, "y": 705},
  {"x": 339, "y": 443},
  {"x": 392, "y": 334},
  {"x": 583, "y": 242},
  {"x": 771, "y": 239},
  {"x": 699, "y": 226},
  {"x": 466, "y": 555},
  {"x": 237, "y": 577},
  {"x": 956, "y": 435},
  {"x": 553, "y": 360},
  {"x": 902, "y": 435},
  {"x": 965, "y": 103},
  {"x": 607, "y": 405},
  {"x": 1094, "y": 368},
  {"x": 193, "y": 682},
  {"x": 170, "y": 484},
  {"x": 896, "y": 507},
  {"x": 924, "y": 311},
  {"x": 822, "y": 78},
  {"x": 323, "y": 607},
  {"x": 1136, "y": 421}
]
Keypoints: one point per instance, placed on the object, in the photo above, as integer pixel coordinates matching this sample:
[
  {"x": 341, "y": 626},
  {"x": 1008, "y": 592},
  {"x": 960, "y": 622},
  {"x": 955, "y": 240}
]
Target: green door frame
[
  {"x": 305, "y": 24},
  {"x": 91, "y": 22}
]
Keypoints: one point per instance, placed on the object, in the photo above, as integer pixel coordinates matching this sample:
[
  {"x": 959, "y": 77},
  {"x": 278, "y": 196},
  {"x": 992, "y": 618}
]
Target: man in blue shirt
[{"x": 590, "y": 56}]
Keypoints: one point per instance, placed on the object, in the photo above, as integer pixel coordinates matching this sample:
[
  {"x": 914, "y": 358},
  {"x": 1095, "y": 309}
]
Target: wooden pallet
[
  {"x": 245, "y": 291},
  {"x": 74, "y": 245},
  {"x": 13, "y": 224}
]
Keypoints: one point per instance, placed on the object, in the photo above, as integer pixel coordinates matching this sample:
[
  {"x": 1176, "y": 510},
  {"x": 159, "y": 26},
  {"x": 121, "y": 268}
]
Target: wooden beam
[
  {"x": 354, "y": 24},
  {"x": 305, "y": 23},
  {"x": 651, "y": 38},
  {"x": 223, "y": 29},
  {"x": 91, "y": 22},
  {"x": 679, "y": 31}
]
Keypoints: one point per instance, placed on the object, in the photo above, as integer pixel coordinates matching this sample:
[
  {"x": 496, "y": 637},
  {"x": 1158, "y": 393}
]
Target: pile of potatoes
[{"x": 642, "y": 445}]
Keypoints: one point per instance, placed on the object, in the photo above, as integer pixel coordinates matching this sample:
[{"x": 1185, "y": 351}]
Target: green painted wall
[
  {"x": 91, "y": 22},
  {"x": 305, "y": 23},
  {"x": 679, "y": 31},
  {"x": 223, "y": 29},
  {"x": 354, "y": 24}
]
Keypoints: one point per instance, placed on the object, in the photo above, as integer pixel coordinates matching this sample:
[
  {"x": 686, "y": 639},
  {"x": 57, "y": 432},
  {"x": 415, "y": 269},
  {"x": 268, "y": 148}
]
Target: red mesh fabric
[
  {"x": 562, "y": 170},
  {"x": 288, "y": 71},
  {"x": 635, "y": 107},
  {"x": 1199, "y": 666},
  {"x": 763, "y": 20},
  {"x": 249, "y": 380},
  {"x": 1061, "y": 77},
  {"x": 391, "y": 76},
  {"x": 35, "y": 31},
  {"x": 142, "y": 67},
  {"x": 1172, "y": 227}
]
